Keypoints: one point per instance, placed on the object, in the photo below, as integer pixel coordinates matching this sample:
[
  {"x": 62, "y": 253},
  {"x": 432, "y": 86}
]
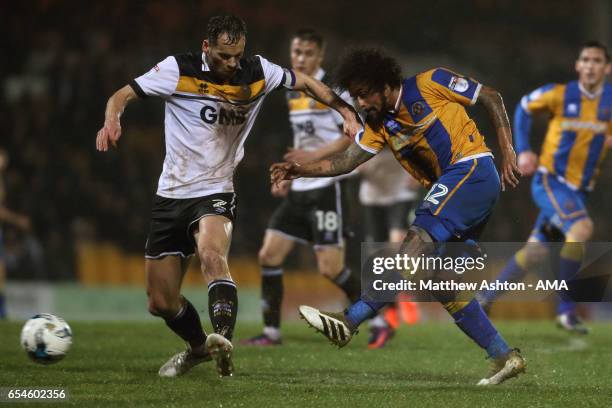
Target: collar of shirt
[
  {"x": 591, "y": 95},
  {"x": 205, "y": 66},
  {"x": 396, "y": 107}
]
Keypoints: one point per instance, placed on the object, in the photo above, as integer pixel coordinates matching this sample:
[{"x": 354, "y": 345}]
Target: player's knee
[
  {"x": 416, "y": 242},
  {"x": 581, "y": 231},
  {"x": 162, "y": 306},
  {"x": 330, "y": 269},
  {"x": 330, "y": 261},
  {"x": 212, "y": 260},
  {"x": 268, "y": 257}
]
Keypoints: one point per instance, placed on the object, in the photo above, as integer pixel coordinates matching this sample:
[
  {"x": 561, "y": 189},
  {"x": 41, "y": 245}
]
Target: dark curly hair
[
  {"x": 369, "y": 67},
  {"x": 231, "y": 25}
]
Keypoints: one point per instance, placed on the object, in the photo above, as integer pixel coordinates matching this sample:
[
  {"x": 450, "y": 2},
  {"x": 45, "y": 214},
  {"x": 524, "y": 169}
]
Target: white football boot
[
  {"x": 505, "y": 367},
  {"x": 182, "y": 362},
  {"x": 220, "y": 350},
  {"x": 331, "y": 325}
]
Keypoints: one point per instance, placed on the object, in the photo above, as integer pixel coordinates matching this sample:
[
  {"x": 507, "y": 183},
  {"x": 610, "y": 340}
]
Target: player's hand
[
  {"x": 283, "y": 171},
  {"x": 110, "y": 133},
  {"x": 281, "y": 189},
  {"x": 609, "y": 141},
  {"x": 527, "y": 162},
  {"x": 300, "y": 156},
  {"x": 509, "y": 171},
  {"x": 352, "y": 125}
]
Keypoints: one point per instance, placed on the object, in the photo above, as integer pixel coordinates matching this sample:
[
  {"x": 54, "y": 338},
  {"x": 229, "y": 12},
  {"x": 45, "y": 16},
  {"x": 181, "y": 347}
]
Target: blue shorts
[
  {"x": 560, "y": 206},
  {"x": 458, "y": 205}
]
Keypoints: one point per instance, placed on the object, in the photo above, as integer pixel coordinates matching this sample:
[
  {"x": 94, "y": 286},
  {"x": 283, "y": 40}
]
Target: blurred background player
[
  {"x": 424, "y": 121},
  {"x": 311, "y": 211},
  {"x": 579, "y": 133},
  {"x": 7, "y": 216},
  {"x": 212, "y": 99},
  {"x": 388, "y": 194}
]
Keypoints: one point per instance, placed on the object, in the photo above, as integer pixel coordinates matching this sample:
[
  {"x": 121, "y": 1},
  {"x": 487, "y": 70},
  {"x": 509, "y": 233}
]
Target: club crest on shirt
[{"x": 417, "y": 109}]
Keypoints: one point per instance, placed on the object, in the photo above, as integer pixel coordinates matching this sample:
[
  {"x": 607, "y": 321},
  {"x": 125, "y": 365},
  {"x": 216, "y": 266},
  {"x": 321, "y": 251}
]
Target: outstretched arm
[
  {"x": 321, "y": 92},
  {"x": 493, "y": 102},
  {"x": 339, "y": 163},
  {"x": 309, "y": 156},
  {"x": 111, "y": 131}
]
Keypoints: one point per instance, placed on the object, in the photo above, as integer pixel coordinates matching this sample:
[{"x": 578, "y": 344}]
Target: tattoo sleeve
[
  {"x": 493, "y": 102},
  {"x": 339, "y": 163}
]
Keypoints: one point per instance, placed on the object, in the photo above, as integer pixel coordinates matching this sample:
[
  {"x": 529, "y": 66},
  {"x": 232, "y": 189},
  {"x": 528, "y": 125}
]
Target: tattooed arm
[
  {"x": 339, "y": 163},
  {"x": 493, "y": 102}
]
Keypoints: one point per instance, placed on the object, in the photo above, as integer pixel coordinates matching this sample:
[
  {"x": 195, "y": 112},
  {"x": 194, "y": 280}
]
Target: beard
[{"x": 374, "y": 118}]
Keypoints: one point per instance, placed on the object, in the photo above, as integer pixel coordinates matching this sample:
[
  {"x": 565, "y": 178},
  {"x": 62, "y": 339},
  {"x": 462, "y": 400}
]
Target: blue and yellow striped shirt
[
  {"x": 574, "y": 146},
  {"x": 431, "y": 129}
]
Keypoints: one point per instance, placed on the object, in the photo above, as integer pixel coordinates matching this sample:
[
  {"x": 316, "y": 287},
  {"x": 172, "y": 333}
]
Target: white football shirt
[
  {"x": 314, "y": 125},
  {"x": 384, "y": 181},
  {"x": 207, "y": 121}
]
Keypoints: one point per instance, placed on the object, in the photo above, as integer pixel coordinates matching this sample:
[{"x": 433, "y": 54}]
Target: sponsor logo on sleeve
[{"x": 458, "y": 84}]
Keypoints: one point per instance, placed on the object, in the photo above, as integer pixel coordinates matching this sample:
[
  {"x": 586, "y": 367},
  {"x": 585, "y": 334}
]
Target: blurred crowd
[{"x": 65, "y": 58}]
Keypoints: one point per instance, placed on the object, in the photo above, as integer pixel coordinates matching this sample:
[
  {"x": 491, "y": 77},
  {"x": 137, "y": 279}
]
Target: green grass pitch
[{"x": 432, "y": 364}]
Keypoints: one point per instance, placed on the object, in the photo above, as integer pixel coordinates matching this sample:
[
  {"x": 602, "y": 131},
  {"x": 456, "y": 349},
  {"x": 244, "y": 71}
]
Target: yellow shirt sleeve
[
  {"x": 447, "y": 85},
  {"x": 370, "y": 140},
  {"x": 545, "y": 98}
]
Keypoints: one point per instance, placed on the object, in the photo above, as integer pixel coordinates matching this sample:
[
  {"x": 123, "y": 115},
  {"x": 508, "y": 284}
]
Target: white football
[{"x": 46, "y": 338}]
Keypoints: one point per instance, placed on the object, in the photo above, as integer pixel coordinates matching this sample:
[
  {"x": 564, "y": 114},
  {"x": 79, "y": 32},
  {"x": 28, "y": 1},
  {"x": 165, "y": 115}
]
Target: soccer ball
[{"x": 46, "y": 338}]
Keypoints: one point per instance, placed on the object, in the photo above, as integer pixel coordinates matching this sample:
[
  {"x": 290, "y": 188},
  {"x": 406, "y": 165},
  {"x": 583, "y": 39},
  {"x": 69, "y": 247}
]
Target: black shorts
[
  {"x": 380, "y": 219},
  {"x": 173, "y": 221},
  {"x": 313, "y": 216}
]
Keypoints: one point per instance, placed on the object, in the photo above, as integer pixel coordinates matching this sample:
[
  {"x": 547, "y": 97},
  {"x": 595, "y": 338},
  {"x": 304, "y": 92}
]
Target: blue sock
[
  {"x": 476, "y": 325},
  {"x": 512, "y": 272},
  {"x": 568, "y": 269},
  {"x": 2, "y": 306},
  {"x": 360, "y": 311}
]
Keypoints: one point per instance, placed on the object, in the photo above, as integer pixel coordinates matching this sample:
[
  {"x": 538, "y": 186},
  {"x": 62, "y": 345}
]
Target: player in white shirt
[
  {"x": 311, "y": 211},
  {"x": 388, "y": 194},
  {"x": 211, "y": 99}
]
